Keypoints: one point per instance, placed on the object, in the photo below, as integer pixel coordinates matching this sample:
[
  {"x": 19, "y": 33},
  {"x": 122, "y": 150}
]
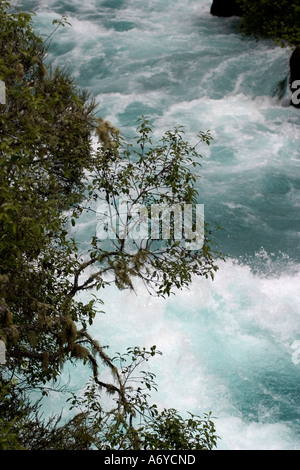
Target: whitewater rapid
[{"x": 229, "y": 345}]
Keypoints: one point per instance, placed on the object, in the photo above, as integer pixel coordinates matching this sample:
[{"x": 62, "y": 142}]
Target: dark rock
[
  {"x": 226, "y": 8},
  {"x": 295, "y": 65}
]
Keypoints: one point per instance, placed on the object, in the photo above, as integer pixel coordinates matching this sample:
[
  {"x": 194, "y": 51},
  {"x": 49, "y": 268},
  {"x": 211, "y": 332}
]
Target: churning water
[{"x": 229, "y": 345}]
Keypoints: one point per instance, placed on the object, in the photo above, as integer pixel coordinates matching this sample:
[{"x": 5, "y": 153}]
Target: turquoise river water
[{"x": 231, "y": 345}]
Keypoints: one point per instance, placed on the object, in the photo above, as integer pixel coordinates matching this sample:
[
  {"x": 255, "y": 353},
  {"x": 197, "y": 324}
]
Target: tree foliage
[
  {"x": 272, "y": 19},
  {"x": 125, "y": 422},
  {"x": 132, "y": 423},
  {"x": 45, "y": 150},
  {"x": 50, "y": 174}
]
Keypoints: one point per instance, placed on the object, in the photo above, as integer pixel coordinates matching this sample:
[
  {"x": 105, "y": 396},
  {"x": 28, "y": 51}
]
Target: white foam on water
[
  {"x": 227, "y": 345},
  {"x": 220, "y": 340}
]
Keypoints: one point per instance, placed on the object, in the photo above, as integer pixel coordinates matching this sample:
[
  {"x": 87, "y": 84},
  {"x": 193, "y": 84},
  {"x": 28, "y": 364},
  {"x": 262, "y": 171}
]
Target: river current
[{"x": 232, "y": 345}]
